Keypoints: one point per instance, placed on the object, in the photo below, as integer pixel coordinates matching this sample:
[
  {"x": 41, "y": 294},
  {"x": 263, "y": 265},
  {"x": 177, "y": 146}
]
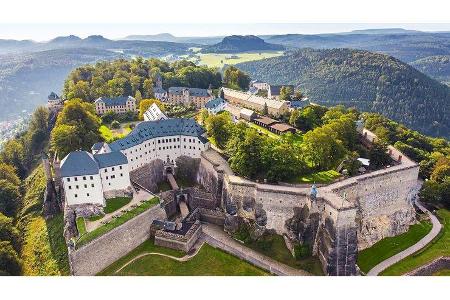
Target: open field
[
  {"x": 218, "y": 60},
  {"x": 387, "y": 247},
  {"x": 89, "y": 236},
  {"x": 438, "y": 247},
  {"x": 208, "y": 261}
]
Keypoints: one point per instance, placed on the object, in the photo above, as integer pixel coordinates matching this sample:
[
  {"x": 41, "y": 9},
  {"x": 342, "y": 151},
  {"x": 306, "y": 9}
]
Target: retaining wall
[{"x": 98, "y": 254}]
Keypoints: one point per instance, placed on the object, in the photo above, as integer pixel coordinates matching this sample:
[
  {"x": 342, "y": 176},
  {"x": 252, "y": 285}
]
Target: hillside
[
  {"x": 27, "y": 79},
  {"x": 240, "y": 43},
  {"x": 369, "y": 81},
  {"x": 435, "y": 66}
]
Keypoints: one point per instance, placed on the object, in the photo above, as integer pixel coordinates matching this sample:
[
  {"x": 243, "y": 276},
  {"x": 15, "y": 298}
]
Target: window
[
  {"x": 113, "y": 176},
  {"x": 77, "y": 186},
  {"x": 76, "y": 195},
  {"x": 85, "y": 186},
  {"x": 106, "y": 177},
  {"x": 121, "y": 174},
  {"x": 87, "y": 194},
  {"x": 70, "y": 187},
  {"x": 92, "y": 185},
  {"x": 84, "y": 177},
  {"x": 76, "y": 179},
  {"x": 68, "y": 179},
  {"x": 112, "y": 169},
  {"x": 120, "y": 167},
  {"x": 92, "y": 177}
]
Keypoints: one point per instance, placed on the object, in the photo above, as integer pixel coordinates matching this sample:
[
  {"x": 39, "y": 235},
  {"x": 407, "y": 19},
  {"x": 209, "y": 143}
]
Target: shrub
[{"x": 115, "y": 124}]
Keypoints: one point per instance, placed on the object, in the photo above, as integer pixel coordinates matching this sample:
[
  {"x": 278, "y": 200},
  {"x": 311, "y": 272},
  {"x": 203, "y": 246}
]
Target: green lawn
[
  {"x": 387, "y": 247},
  {"x": 116, "y": 222},
  {"x": 218, "y": 60},
  {"x": 439, "y": 247},
  {"x": 110, "y": 135},
  {"x": 208, "y": 262},
  {"x": 114, "y": 204},
  {"x": 264, "y": 130},
  {"x": 274, "y": 247},
  {"x": 318, "y": 177},
  {"x": 81, "y": 226}
]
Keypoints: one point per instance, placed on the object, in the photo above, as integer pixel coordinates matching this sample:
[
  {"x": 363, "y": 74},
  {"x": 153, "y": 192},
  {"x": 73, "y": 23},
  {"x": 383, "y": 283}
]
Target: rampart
[
  {"x": 98, "y": 254},
  {"x": 179, "y": 241}
]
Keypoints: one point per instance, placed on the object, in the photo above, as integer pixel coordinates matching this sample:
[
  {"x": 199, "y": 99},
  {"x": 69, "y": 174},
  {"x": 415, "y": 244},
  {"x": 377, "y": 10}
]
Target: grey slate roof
[
  {"x": 152, "y": 129},
  {"x": 158, "y": 90},
  {"x": 78, "y": 163},
  {"x": 178, "y": 90},
  {"x": 214, "y": 103},
  {"x": 116, "y": 101},
  {"x": 53, "y": 96},
  {"x": 97, "y": 146},
  {"x": 110, "y": 159}
]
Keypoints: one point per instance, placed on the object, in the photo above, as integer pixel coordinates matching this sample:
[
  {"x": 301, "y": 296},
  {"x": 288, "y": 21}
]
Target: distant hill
[
  {"x": 162, "y": 37},
  {"x": 370, "y": 81},
  {"x": 241, "y": 43},
  {"x": 407, "y": 47},
  {"x": 435, "y": 66},
  {"x": 26, "y": 80},
  {"x": 385, "y": 31}
]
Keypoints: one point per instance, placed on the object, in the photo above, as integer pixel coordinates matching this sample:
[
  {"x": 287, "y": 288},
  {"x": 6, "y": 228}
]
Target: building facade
[
  {"x": 90, "y": 178},
  {"x": 118, "y": 105},
  {"x": 188, "y": 96},
  {"x": 274, "y": 107},
  {"x": 153, "y": 113},
  {"x": 215, "y": 105}
]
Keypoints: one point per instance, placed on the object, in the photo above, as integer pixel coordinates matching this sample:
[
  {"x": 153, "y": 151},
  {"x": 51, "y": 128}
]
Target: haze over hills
[{"x": 369, "y": 81}]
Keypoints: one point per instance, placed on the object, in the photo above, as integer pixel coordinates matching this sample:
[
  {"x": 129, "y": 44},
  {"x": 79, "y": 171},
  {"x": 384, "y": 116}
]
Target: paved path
[
  {"x": 414, "y": 248},
  {"x": 216, "y": 237}
]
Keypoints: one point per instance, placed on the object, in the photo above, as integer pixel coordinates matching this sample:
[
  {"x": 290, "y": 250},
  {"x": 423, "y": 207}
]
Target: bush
[
  {"x": 302, "y": 251},
  {"x": 10, "y": 263},
  {"x": 115, "y": 124}
]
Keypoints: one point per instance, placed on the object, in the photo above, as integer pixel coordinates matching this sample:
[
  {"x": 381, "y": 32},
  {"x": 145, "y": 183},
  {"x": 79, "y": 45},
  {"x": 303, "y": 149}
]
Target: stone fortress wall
[
  {"x": 98, "y": 254},
  {"x": 353, "y": 213}
]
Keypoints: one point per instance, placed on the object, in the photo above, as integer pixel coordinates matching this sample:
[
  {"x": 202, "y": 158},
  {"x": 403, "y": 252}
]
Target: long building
[
  {"x": 118, "y": 105},
  {"x": 187, "y": 96},
  {"x": 253, "y": 102},
  {"x": 91, "y": 178}
]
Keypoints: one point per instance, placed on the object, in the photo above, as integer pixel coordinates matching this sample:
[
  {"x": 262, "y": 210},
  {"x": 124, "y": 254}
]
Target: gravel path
[{"x": 414, "y": 248}]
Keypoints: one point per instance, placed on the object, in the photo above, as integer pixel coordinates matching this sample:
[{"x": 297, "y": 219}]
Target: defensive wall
[{"x": 98, "y": 254}]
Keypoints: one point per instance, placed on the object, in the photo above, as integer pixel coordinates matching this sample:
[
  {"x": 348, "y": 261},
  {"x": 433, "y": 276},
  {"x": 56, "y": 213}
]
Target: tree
[
  {"x": 146, "y": 103},
  {"x": 298, "y": 95},
  {"x": 138, "y": 96},
  {"x": 286, "y": 93},
  {"x": 8, "y": 173},
  {"x": 378, "y": 155},
  {"x": 203, "y": 116},
  {"x": 115, "y": 124},
  {"x": 235, "y": 78},
  {"x": 147, "y": 88},
  {"x": 265, "y": 109},
  {"x": 13, "y": 153},
  {"x": 282, "y": 161},
  {"x": 8, "y": 232},
  {"x": 77, "y": 128},
  {"x": 247, "y": 159},
  {"x": 10, "y": 263},
  {"x": 262, "y": 93},
  {"x": 9, "y": 198},
  {"x": 440, "y": 172},
  {"x": 322, "y": 150},
  {"x": 219, "y": 128}
]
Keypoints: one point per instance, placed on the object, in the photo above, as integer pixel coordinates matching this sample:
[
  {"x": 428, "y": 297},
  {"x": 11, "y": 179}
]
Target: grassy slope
[
  {"x": 114, "y": 204},
  {"x": 318, "y": 177},
  {"x": 44, "y": 251},
  {"x": 209, "y": 261},
  {"x": 439, "y": 247},
  {"x": 387, "y": 247},
  {"x": 278, "y": 251},
  {"x": 116, "y": 222}
]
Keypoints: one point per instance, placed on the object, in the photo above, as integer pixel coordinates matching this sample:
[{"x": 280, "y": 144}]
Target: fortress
[{"x": 335, "y": 220}]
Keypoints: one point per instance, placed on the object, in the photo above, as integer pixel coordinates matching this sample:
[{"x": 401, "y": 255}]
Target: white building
[
  {"x": 54, "y": 102},
  {"x": 216, "y": 105},
  {"x": 153, "y": 113},
  {"x": 260, "y": 85},
  {"x": 118, "y": 105},
  {"x": 91, "y": 178},
  {"x": 88, "y": 178}
]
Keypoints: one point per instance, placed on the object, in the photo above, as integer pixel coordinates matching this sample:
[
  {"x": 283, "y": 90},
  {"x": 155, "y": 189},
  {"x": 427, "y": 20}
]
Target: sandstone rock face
[
  {"x": 149, "y": 175},
  {"x": 232, "y": 223},
  {"x": 373, "y": 229},
  {"x": 70, "y": 225}
]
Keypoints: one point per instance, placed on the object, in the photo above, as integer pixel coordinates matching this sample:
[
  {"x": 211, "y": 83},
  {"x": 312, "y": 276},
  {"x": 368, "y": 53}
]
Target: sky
[
  {"x": 45, "y": 19},
  {"x": 43, "y": 32}
]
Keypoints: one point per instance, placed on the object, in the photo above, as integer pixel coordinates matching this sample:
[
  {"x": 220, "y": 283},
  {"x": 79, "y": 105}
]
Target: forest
[{"x": 369, "y": 81}]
